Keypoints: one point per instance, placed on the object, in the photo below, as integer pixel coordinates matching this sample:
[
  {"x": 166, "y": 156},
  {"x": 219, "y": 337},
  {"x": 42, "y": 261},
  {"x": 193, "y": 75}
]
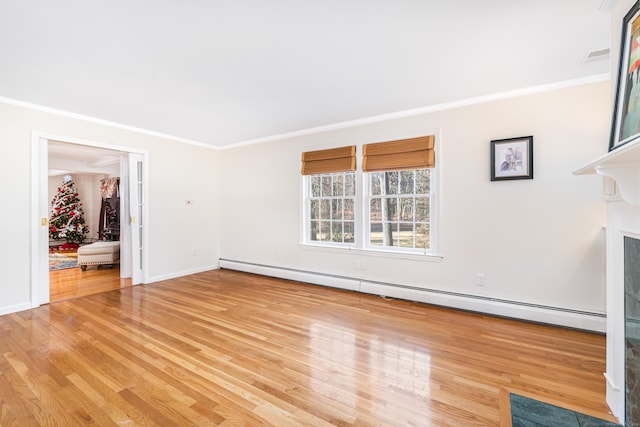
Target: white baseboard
[
  {"x": 297, "y": 275},
  {"x": 15, "y": 308},
  {"x": 153, "y": 279},
  {"x": 615, "y": 398},
  {"x": 577, "y": 319}
]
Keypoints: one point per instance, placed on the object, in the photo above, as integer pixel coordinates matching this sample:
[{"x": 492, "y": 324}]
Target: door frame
[{"x": 39, "y": 285}]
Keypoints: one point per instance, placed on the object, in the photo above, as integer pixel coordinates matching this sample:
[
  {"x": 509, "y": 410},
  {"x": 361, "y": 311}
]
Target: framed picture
[
  {"x": 625, "y": 126},
  {"x": 512, "y": 158}
]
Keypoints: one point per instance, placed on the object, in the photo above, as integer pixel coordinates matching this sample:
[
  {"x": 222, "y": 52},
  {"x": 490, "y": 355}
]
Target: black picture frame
[
  {"x": 625, "y": 125},
  {"x": 512, "y": 158}
]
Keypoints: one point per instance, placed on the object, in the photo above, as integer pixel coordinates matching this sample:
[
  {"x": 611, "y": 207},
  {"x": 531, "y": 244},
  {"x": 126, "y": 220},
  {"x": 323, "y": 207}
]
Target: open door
[
  {"x": 137, "y": 209},
  {"x": 40, "y": 222}
]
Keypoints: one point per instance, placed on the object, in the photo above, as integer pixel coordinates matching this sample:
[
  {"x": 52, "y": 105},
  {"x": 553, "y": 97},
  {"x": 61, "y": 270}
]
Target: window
[
  {"x": 393, "y": 211},
  {"x": 330, "y": 189},
  {"x": 398, "y": 209},
  {"x": 331, "y": 205}
]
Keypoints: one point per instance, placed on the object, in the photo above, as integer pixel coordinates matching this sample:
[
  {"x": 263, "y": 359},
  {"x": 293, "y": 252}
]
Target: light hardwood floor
[
  {"x": 233, "y": 349},
  {"x": 73, "y": 282}
]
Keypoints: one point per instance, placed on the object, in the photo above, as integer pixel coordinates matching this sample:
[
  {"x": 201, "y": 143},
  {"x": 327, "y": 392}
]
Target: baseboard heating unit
[{"x": 578, "y": 319}]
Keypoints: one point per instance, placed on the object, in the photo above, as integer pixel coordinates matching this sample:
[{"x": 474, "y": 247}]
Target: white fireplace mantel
[
  {"x": 621, "y": 169},
  {"x": 623, "y": 166}
]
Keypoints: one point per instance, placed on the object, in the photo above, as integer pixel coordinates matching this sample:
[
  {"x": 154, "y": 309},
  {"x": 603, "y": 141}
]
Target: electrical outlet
[{"x": 480, "y": 279}]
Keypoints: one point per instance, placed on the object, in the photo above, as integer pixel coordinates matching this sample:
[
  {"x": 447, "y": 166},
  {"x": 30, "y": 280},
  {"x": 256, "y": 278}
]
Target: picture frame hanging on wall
[
  {"x": 625, "y": 126},
  {"x": 512, "y": 158}
]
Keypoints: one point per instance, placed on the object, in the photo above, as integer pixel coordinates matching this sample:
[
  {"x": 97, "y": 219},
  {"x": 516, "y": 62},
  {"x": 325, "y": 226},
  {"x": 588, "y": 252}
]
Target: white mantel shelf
[{"x": 623, "y": 166}]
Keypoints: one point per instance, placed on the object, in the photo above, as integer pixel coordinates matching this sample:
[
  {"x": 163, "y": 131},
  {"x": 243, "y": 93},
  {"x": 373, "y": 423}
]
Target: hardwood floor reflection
[
  {"x": 73, "y": 282},
  {"x": 229, "y": 348}
]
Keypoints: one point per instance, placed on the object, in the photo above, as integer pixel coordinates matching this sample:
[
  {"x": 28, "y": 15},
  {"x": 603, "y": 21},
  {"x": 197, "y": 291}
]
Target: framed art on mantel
[
  {"x": 512, "y": 158},
  {"x": 625, "y": 126}
]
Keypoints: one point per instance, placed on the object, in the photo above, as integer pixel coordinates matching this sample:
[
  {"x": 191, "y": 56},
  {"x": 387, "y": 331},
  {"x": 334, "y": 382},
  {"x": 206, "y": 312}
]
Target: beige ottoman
[{"x": 98, "y": 253}]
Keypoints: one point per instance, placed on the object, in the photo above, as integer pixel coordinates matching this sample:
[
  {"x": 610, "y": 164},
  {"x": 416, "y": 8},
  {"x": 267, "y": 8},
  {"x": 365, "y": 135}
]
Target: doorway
[{"x": 64, "y": 156}]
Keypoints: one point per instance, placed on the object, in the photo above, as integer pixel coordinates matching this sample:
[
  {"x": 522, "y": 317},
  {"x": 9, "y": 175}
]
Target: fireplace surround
[{"x": 621, "y": 171}]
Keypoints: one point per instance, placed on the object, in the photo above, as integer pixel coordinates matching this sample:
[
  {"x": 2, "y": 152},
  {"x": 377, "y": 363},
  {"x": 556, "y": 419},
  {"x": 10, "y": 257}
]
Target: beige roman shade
[
  {"x": 342, "y": 159},
  {"x": 412, "y": 153}
]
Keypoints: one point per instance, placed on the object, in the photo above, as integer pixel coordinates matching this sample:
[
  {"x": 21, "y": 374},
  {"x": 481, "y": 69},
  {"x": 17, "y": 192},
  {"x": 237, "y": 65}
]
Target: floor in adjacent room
[{"x": 73, "y": 282}]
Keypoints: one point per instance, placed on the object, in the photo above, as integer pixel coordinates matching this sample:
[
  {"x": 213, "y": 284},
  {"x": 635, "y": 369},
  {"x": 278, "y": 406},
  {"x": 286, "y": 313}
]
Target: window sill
[{"x": 373, "y": 252}]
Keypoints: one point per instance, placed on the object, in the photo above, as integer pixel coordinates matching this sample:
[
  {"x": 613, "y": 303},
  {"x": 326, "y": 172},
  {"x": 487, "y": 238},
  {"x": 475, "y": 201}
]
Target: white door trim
[{"x": 39, "y": 207}]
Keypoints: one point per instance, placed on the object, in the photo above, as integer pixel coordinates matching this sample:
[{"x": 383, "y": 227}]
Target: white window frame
[
  {"x": 366, "y": 219},
  {"x": 434, "y": 254},
  {"x": 306, "y": 227}
]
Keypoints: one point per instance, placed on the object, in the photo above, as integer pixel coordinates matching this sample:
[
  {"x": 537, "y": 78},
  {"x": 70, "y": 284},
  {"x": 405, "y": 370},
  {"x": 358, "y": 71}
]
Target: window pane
[
  {"x": 391, "y": 182},
  {"x": 326, "y": 186},
  {"x": 315, "y": 229},
  {"x": 377, "y": 183},
  {"x": 390, "y": 234},
  {"x": 405, "y": 235},
  {"x": 406, "y": 209},
  {"x": 325, "y": 209},
  {"x": 325, "y": 231},
  {"x": 406, "y": 182},
  {"x": 375, "y": 233},
  {"x": 315, "y": 186},
  {"x": 338, "y": 185},
  {"x": 422, "y": 209},
  {"x": 348, "y": 209},
  {"x": 336, "y": 231},
  {"x": 350, "y": 184},
  {"x": 423, "y": 237},
  {"x": 390, "y": 209},
  {"x": 423, "y": 181},
  {"x": 314, "y": 209},
  {"x": 376, "y": 210},
  {"x": 336, "y": 209},
  {"x": 348, "y": 232}
]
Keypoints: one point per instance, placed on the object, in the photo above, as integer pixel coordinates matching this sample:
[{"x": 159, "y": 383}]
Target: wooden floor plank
[
  {"x": 71, "y": 283},
  {"x": 229, "y": 348}
]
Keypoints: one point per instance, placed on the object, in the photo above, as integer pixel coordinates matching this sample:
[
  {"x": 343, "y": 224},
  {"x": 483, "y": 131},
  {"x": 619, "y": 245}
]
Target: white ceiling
[
  {"x": 223, "y": 72},
  {"x": 65, "y": 158}
]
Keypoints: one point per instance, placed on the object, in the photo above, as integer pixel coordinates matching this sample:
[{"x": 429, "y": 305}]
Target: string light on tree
[{"x": 67, "y": 217}]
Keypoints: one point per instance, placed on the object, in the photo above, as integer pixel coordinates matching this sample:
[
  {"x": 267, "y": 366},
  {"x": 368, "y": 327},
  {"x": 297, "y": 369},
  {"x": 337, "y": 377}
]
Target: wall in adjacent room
[{"x": 537, "y": 241}]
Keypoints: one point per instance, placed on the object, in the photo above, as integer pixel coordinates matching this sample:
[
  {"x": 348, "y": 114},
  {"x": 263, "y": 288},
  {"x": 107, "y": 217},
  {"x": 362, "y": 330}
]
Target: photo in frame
[
  {"x": 512, "y": 158},
  {"x": 625, "y": 126}
]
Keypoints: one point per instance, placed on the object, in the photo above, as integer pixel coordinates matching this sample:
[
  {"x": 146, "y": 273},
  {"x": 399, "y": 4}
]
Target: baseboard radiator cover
[{"x": 578, "y": 319}]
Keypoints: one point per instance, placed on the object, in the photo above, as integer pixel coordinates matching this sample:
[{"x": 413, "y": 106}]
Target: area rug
[
  {"x": 58, "y": 261},
  {"x": 527, "y": 412}
]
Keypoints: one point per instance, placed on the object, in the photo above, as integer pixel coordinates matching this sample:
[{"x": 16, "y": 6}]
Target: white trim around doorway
[{"x": 39, "y": 285}]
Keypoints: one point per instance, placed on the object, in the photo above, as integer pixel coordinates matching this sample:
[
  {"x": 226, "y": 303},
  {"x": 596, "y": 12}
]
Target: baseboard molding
[
  {"x": 615, "y": 398},
  {"x": 578, "y": 319},
  {"x": 15, "y": 308},
  {"x": 175, "y": 275}
]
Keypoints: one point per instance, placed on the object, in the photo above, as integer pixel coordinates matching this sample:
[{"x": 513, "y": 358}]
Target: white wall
[
  {"x": 537, "y": 241},
  {"x": 177, "y": 172}
]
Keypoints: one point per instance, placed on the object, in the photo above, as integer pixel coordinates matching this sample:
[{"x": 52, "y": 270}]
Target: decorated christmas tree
[{"x": 67, "y": 217}]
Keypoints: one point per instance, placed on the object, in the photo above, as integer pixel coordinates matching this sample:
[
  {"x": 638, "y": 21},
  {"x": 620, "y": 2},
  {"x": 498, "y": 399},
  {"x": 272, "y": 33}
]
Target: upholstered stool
[{"x": 98, "y": 253}]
